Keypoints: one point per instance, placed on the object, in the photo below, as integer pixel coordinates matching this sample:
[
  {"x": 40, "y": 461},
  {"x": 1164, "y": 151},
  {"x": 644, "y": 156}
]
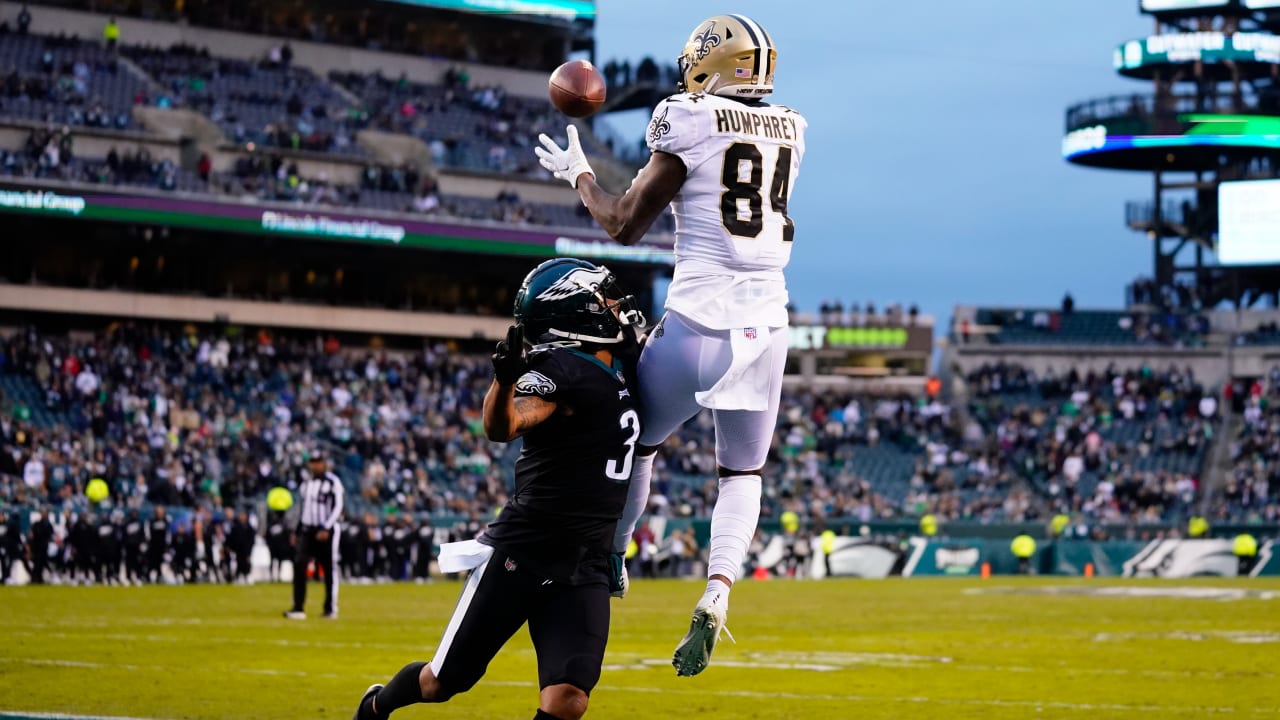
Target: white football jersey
[{"x": 733, "y": 235}]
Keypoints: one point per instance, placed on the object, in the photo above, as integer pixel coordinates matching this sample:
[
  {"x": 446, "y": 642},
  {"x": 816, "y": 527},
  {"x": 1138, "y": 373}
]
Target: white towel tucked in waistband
[
  {"x": 464, "y": 555},
  {"x": 745, "y": 385}
]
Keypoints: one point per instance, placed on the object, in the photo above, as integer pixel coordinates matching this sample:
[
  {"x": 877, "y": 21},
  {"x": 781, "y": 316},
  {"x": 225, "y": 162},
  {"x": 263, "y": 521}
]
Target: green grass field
[{"x": 940, "y": 648}]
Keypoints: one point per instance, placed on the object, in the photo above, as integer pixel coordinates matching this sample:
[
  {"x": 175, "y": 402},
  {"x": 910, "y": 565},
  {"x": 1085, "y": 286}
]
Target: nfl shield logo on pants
[
  {"x": 510, "y": 565},
  {"x": 749, "y": 333}
]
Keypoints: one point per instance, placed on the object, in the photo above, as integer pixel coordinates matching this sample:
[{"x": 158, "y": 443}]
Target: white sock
[
  {"x": 733, "y": 524},
  {"x": 717, "y": 591},
  {"x": 637, "y": 500}
]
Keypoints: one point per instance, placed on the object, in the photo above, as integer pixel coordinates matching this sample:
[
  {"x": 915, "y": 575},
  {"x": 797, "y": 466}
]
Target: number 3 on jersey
[
  {"x": 744, "y": 188},
  {"x": 620, "y": 471}
]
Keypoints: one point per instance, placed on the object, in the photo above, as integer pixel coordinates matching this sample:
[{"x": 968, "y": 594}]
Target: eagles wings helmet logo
[
  {"x": 536, "y": 383},
  {"x": 659, "y": 126},
  {"x": 706, "y": 40},
  {"x": 579, "y": 280}
]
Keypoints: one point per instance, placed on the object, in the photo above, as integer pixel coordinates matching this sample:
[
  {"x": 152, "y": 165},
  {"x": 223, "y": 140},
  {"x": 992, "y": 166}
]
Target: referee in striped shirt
[{"x": 318, "y": 533}]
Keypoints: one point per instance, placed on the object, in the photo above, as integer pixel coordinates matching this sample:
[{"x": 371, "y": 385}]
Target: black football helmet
[{"x": 568, "y": 302}]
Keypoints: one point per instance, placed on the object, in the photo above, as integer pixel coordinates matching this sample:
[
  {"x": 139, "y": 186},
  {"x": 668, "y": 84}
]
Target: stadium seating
[
  {"x": 1265, "y": 334},
  {"x": 66, "y": 81},
  {"x": 1045, "y": 326},
  {"x": 475, "y": 128},
  {"x": 265, "y": 104},
  {"x": 128, "y": 170},
  {"x": 26, "y": 400},
  {"x": 1115, "y": 447},
  {"x": 1251, "y": 488},
  {"x": 480, "y": 129},
  {"x": 131, "y": 169}
]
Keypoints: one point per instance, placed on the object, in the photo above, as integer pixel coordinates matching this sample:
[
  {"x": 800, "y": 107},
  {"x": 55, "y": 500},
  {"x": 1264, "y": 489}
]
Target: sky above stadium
[{"x": 934, "y": 171}]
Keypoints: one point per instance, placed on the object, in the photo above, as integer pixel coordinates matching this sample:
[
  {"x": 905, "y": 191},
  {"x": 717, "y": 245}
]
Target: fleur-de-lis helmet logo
[{"x": 706, "y": 40}]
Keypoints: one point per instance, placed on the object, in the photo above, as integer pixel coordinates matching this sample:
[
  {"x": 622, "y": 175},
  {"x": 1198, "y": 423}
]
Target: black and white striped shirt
[{"x": 321, "y": 501}]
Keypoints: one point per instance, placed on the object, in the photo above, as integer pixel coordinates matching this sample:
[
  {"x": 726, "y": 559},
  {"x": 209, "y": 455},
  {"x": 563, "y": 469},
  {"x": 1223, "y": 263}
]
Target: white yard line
[
  {"x": 815, "y": 662},
  {"x": 24, "y": 714},
  {"x": 703, "y": 692}
]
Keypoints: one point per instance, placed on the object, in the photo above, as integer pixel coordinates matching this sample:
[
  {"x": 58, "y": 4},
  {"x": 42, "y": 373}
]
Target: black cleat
[{"x": 364, "y": 711}]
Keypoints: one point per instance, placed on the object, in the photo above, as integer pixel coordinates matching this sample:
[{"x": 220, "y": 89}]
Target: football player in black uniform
[
  {"x": 279, "y": 543},
  {"x": 549, "y": 564},
  {"x": 183, "y": 563},
  {"x": 239, "y": 545},
  {"x": 158, "y": 538},
  {"x": 11, "y": 549},
  {"x": 349, "y": 557},
  {"x": 82, "y": 537},
  {"x": 135, "y": 539},
  {"x": 398, "y": 548},
  {"x": 42, "y": 539},
  {"x": 423, "y": 551},
  {"x": 106, "y": 550}
]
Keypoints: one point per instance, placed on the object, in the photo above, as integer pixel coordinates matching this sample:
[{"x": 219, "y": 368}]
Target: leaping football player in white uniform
[{"x": 725, "y": 161}]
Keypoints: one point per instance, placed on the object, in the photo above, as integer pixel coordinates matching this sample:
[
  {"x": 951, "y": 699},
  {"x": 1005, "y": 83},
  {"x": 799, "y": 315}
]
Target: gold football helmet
[{"x": 728, "y": 55}]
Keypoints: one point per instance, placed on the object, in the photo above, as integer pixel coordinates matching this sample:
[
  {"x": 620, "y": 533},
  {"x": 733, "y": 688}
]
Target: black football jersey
[
  {"x": 134, "y": 534},
  {"x": 574, "y": 468},
  {"x": 159, "y": 532}
]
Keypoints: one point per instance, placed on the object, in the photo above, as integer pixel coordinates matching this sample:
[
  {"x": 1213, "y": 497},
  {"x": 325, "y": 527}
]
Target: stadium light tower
[{"x": 1210, "y": 128}]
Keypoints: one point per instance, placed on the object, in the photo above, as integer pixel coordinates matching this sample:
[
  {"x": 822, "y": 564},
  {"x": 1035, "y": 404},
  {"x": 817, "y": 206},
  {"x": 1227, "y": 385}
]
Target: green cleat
[{"x": 694, "y": 651}]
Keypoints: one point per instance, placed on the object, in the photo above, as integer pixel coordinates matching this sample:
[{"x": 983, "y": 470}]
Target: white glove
[{"x": 566, "y": 164}]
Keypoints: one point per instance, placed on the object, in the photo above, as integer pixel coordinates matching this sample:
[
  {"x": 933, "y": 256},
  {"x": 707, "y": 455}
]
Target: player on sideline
[
  {"x": 725, "y": 161},
  {"x": 546, "y": 559}
]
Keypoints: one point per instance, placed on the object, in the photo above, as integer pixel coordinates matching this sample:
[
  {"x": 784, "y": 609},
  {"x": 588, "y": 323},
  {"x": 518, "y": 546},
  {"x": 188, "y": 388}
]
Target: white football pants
[{"x": 681, "y": 358}]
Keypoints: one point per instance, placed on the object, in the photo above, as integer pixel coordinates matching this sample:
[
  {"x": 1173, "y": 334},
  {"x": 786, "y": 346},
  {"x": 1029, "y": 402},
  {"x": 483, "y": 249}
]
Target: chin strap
[
  {"x": 709, "y": 87},
  {"x": 540, "y": 347}
]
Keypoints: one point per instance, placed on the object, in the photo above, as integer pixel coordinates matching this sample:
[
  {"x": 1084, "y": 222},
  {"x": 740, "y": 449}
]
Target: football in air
[{"x": 577, "y": 88}]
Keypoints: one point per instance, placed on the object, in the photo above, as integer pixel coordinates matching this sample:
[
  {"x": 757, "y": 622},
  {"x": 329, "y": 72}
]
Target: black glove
[{"x": 509, "y": 359}]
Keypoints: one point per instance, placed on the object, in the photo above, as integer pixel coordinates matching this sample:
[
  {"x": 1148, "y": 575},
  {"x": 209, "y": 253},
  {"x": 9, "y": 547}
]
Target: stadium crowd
[
  {"x": 834, "y": 313},
  {"x": 1113, "y": 447},
  {"x": 478, "y": 127},
  {"x": 204, "y": 421},
  {"x": 193, "y": 416},
  {"x": 271, "y": 105},
  {"x": 204, "y": 424},
  {"x": 1252, "y": 490},
  {"x": 620, "y": 74},
  {"x": 268, "y": 102},
  {"x": 61, "y": 78},
  {"x": 48, "y": 153}
]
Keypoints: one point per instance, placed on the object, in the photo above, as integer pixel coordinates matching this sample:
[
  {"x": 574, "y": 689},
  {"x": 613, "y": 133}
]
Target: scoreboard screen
[
  {"x": 1209, "y": 47},
  {"x": 1163, "y": 6},
  {"x": 1249, "y": 222},
  {"x": 1194, "y": 6},
  {"x": 565, "y": 9}
]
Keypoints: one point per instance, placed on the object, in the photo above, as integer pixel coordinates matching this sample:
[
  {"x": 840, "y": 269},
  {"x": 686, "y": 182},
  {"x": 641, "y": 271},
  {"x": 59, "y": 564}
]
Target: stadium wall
[
  {"x": 318, "y": 57},
  {"x": 1210, "y": 366},
  {"x": 176, "y": 123},
  {"x": 28, "y": 298},
  {"x": 1243, "y": 320},
  {"x": 96, "y": 144}
]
